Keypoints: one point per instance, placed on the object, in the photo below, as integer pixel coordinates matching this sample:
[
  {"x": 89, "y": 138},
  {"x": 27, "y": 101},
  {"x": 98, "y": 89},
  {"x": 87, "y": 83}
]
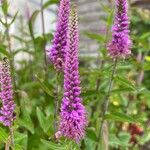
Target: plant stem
[
  {"x": 11, "y": 56},
  {"x": 106, "y": 101},
  {"x": 11, "y": 135},
  {"x": 7, "y": 145},
  {"x": 43, "y": 32}
]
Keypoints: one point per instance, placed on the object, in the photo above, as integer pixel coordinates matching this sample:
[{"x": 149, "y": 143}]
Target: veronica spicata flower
[
  {"x": 121, "y": 44},
  {"x": 6, "y": 95},
  {"x": 73, "y": 116}
]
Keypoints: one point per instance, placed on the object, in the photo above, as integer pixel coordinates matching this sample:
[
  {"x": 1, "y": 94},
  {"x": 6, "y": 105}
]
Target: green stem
[
  {"x": 11, "y": 136},
  {"x": 106, "y": 101},
  {"x": 7, "y": 145},
  {"x": 43, "y": 32},
  {"x": 11, "y": 55}
]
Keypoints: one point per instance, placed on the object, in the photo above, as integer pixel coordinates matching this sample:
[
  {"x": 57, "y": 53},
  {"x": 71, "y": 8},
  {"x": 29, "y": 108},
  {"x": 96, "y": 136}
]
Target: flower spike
[
  {"x": 121, "y": 44},
  {"x": 73, "y": 116},
  {"x": 7, "y": 110}
]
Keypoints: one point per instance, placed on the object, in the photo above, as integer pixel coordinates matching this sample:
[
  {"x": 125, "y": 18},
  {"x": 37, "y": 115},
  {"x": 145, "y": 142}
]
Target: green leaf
[
  {"x": 3, "y": 135},
  {"x": 126, "y": 83},
  {"x": 147, "y": 66},
  {"x": 26, "y": 121},
  {"x": 113, "y": 140},
  {"x": 50, "y": 2},
  {"x": 145, "y": 138},
  {"x": 4, "y": 51},
  {"x": 124, "y": 138},
  {"x": 98, "y": 37},
  {"x": 32, "y": 21},
  {"x": 17, "y": 147},
  {"x": 106, "y": 8},
  {"x": 5, "y": 7},
  {"x": 90, "y": 93},
  {"x": 44, "y": 122},
  {"x": 144, "y": 36},
  {"x": 14, "y": 18},
  {"x": 53, "y": 146},
  {"x": 3, "y": 23},
  {"x": 91, "y": 134},
  {"x": 88, "y": 144},
  {"x": 19, "y": 136},
  {"x": 44, "y": 87},
  {"x": 117, "y": 116},
  {"x": 110, "y": 18}
]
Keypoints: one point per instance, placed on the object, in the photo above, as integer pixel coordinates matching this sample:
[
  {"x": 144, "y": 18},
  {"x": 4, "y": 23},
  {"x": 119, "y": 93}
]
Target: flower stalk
[
  {"x": 43, "y": 33},
  {"x": 106, "y": 100}
]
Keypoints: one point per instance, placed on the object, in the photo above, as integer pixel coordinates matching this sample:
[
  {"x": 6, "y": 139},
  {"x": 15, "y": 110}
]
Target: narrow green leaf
[
  {"x": 32, "y": 21},
  {"x": 126, "y": 83},
  {"x": 19, "y": 136},
  {"x": 104, "y": 7},
  {"x": 121, "y": 140},
  {"x": 17, "y": 147},
  {"x": 53, "y": 146},
  {"x": 26, "y": 121},
  {"x": 14, "y": 18},
  {"x": 4, "y": 51},
  {"x": 98, "y": 37},
  {"x": 5, "y": 6},
  {"x": 3, "y": 135},
  {"x": 110, "y": 18},
  {"x": 91, "y": 134},
  {"x": 90, "y": 93},
  {"x": 50, "y": 2},
  {"x": 44, "y": 87},
  {"x": 124, "y": 138},
  {"x": 3, "y": 23},
  {"x": 144, "y": 36},
  {"x": 117, "y": 116},
  {"x": 145, "y": 138},
  {"x": 44, "y": 123}
]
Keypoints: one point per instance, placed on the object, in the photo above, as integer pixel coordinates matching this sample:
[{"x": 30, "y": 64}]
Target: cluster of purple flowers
[
  {"x": 120, "y": 45},
  {"x": 6, "y": 95},
  {"x": 73, "y": 116}
]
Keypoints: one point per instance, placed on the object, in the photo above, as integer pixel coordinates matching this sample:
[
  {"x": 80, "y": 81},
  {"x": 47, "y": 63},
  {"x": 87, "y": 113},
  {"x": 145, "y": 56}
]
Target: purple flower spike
[
  {"x": 57, "y": 52},
  {"x": 121, "y": 44},
  {"x": 73, "y": 116},
  {"x": 6, "y": 95}
]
